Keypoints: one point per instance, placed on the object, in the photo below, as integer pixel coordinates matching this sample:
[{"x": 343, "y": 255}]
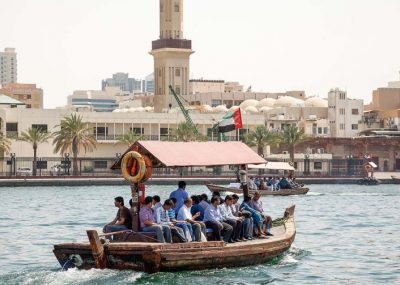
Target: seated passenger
[
  {"x": 214, "y": 220},
  {"x": 122, "y": 221},
  {"x": 284, "y": 184},
  {"x": 251, "y": 184},
  {"x": 196, "y": 208},
  {"x": 256, "y": 216},
  {"x": 257, "y": 182},
  {"x": 204, "y": 201},
  {"x": 162, "y": 218},
  {"x": 229, "y": 218},
  {"x": 148, "y": 222},
  {"x": 156, "y": 202},
  {"x": 256, "y": 204},
  {"x": 187, "y": 230},
  {"x": 185, "y": 215},
  {"x": 247, "y": 228}
]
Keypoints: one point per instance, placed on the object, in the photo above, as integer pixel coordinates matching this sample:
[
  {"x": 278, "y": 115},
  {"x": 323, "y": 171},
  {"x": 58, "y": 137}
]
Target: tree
[
  {"x": 35, "y": 137},
  {"x": 186, "y": 132},
  {"x": 129, "y": 138},
  {"x": 260, "y": 137},
  {"x": 72, "y": 136},
  {"x": 290, "y": 137},
  {"x": 5, "y": 144}
]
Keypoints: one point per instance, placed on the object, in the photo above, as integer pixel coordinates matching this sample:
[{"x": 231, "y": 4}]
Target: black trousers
[
  {"x": 220, "y": 228},
  {"x": 237, "y": 228}
]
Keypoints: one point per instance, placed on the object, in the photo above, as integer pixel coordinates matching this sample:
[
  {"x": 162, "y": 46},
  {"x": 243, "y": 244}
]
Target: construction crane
[{"x": 185, "y": 112}]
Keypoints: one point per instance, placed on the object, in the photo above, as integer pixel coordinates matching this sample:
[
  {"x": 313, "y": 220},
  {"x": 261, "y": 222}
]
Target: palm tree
[
  {"x": 72, "y": 136},
  {"x": 129, "y": 138},
  {"x": 35, "y": 137},
  {"x": 5, "y": 144},
  {"x": 186, "y": 132},
  {"x": 290, "y": 137},
  {"x": 260, "y": 137}
]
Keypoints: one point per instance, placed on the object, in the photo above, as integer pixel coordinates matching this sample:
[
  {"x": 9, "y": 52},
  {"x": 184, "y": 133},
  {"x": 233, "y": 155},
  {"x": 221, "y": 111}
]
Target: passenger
[
  {"x": 162, "y": 218},
  {"x": 197, "y": 227},
  {"x": 214, "y": 220},
  {"x": 247, "y": 228},
  {"x": 256, "y": 204},
  {"x": 235, "y": 222},
  {"x": 196, "y": 208},
  {"x": 187, "y": 230},
  {"x": 257, "y": 182},
  {"x": 263, "y": 185},
  {"x": 251, "y": 184},
  {"x": 217, "y": 194},
  {"x": 256, "y": 216},
  {"x": 156, "y": 202},
  {"x": 148, "y": 221},
  {"x": 180, "y": 195},
  {"x": 204, "y": 201},
  {"x": 284, "y": 184},
  {"x": 123, "y": 219}
]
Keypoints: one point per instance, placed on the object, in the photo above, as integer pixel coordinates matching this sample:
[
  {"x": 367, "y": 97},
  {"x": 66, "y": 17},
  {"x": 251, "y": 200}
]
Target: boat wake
[
  {"x": 315, "y": 194},
  {"x": 291, "y": 257}
]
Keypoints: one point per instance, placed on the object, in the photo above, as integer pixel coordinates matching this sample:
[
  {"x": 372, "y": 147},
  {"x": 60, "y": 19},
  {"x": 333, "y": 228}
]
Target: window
[
  {"x": 317, "y": 165},
  {"x": 164, "y": 131},
  {"x": 342, "y": 126},
  {"x": 325, "y": 131},
  {"x": 319, "y": 130},
  {"x": 242, "y": 133},
  {"x": 342, "y": 111},
  {"x": 354, "y": 111},
  {"x": 42, "y": 128},
  {"x": 215, "y": 103},
  {"x": 12, "y": 127},
  {"x": 178, "y": 90},
  {"x": 138, "y": 131},
  {"x": 177, "y": 7},
  {"x": 177, "y": 72},
  {"x": 100, "y": 164},
  {"x": 28, "y": 106},
  {"x": 102, "y": 131},
  {"x": 354, "y": 127}
]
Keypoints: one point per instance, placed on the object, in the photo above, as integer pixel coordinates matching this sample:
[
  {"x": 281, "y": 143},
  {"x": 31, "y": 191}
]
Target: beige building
[
  {"x": 171, "y": 54},
  {"x": 26, "y": 93},
  {"x": 8, "y": 66},
  {"x": 206, "y": 86}
]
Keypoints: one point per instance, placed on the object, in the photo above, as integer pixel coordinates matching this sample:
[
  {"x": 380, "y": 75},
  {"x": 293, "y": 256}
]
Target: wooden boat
[
  {"x": 134, "y": 250},
  {"x": 395, "y": 180},
  {"x": 283, "y": 192},
  {"x": 155, "y": 257}
]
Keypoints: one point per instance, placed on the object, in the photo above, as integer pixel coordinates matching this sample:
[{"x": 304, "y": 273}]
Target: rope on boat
[
  {"x": 279, "y": 222},
  {"x": 63, "y": 268}
]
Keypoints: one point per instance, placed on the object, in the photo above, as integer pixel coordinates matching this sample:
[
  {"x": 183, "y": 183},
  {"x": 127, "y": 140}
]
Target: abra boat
[
  {"x": 282, "y": 192},
  {"x": 134, "y": 250},
  {"x": 395, "y": 180}
]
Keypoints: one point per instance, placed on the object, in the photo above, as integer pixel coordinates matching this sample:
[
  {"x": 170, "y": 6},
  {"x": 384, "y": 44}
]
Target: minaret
[{"x": 171, "y": 56}]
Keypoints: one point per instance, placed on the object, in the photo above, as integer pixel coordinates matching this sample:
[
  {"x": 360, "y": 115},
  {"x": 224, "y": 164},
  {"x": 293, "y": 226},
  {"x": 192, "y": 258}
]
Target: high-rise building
[
  {"x": 149, "y": 83},
  {"x": 344, "y": 114},
  {"x": 8, "y": 66},
  {"x": 124, "y": 83},
  {"x": 26, "y": 93},
  {"x": 171, "y": 54}
]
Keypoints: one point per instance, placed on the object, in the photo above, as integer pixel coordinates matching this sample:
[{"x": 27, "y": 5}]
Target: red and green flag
[{"x": 231, "y": 121}]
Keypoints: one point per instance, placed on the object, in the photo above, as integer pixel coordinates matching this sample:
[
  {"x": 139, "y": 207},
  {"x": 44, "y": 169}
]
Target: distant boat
[
  {"x": 395, "y": 180},
  {"x": 282, "y": 192}
]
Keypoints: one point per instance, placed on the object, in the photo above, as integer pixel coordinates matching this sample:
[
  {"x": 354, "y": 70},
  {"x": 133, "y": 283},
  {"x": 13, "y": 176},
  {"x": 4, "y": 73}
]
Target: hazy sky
[{"x": 273, "y": 45}]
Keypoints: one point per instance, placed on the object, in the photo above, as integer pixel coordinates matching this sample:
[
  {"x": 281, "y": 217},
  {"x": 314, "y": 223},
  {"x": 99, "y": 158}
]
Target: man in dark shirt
[{"x": 123, "y": 220}]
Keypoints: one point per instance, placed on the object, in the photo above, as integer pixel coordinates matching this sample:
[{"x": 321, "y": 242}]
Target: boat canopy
[
  {"x": 186, "y": 154},
  {"x": 272, "y": 165},
  {"x": 373, "y": 164}
]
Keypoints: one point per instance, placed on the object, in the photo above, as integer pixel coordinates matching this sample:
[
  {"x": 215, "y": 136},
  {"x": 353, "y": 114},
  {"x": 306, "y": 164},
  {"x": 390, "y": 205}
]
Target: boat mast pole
[
  {"x": 135, "y": 206},
  {"x": 243, "y": 180}
]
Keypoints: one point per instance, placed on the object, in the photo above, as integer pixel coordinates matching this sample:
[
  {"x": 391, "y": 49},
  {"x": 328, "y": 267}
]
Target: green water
[{"x": 346, "y": 234}]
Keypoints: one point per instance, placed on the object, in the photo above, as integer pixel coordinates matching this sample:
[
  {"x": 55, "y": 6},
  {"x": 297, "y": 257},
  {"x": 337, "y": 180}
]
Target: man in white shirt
[
  {"x": 184, "y": 214},
  {"x": 229, "y": 218},
  {"x": 162, "y": 218}
]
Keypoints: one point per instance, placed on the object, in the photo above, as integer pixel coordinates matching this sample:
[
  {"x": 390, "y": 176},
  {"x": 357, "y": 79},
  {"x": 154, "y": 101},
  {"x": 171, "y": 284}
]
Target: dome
[
  {"x": 266, "y": 102},
  {"x": 287, "y": 101},
  {"x": 125, "y": 110},
  {"x": 117, "y": 111},
  {"x": 221, "y": 109},
  {"x": 248, "y": 103},
  {"x": 234, "y": 108},
  {"x": 149, "y": 109},
  {"x": 140, "y": 109},
  {"x": 251, "y": 110},
  {"x": 206, "y": 108},
  {"x": 132, "y": 110},
  {"x": 265, "y": 109},
  {"x": 316, "y": 102}
]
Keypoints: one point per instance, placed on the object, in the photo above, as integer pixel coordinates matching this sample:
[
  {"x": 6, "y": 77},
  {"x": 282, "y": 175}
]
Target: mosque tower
[{"x": 171, "y": 54}]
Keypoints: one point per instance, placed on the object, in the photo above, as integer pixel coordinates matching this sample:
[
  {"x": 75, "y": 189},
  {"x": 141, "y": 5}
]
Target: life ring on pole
[
  {"x": 368, "y": 168},
  {"x": 133, "y": 167}
]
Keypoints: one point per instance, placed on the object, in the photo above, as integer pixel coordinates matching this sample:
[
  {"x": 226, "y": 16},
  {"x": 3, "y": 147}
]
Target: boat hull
[
  {"x": 155, "y": 257},
  {"x": 283, "y": 192}
]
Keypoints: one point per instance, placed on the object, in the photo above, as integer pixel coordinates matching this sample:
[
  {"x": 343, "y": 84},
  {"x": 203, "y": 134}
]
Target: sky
[{"x": 271, "y": 45}]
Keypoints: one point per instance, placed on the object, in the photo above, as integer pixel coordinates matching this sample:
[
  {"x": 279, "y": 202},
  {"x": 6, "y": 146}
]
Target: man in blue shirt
[
  {"x": 180, "y": 195},
  {"x": 214, "y": 220}
]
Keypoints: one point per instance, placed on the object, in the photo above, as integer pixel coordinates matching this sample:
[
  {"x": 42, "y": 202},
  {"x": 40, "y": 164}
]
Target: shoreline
[{"x": 115, "y": 181}]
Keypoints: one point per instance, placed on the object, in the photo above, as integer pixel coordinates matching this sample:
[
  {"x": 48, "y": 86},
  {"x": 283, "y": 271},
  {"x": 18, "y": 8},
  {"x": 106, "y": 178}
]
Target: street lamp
[
  {"x": 307, "y": 164},
  {"x": 66, "y": 163},
  {"x": 12, "y": 165},
  {"x": 350, "y": 170}
]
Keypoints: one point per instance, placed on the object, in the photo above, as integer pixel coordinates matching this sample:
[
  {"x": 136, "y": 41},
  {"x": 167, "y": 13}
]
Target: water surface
[{"x": 346, "y": 234}]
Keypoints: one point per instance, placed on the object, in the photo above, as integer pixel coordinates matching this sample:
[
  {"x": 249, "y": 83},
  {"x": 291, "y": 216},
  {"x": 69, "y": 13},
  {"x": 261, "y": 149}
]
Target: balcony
[{"x": 171, "y": 43}]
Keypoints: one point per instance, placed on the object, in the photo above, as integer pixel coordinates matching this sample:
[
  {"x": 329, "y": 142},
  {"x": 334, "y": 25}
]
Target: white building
[
  {"x": 95, "y": 100},
  {"x": 344, "y": 114},
  {"x": 8, "y": 66}
]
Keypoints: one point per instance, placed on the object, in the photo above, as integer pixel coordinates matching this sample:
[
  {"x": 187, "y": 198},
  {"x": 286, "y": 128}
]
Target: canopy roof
[
  {"x": 181, "y": 154},
  {"x": 273, "y": 166}
]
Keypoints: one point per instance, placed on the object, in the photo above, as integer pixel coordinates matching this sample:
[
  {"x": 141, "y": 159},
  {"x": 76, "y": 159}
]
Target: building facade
[
  {"x": 344, "y": 114},
  {"x": 8, "y": 66},
  {"x": 26, "y": 93},
  {"x": 94, "y": 100},
  {"x": 171, "y": 53},
  {"x": 149, "y": 83},
  {"x": 123, "y": 82}
]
